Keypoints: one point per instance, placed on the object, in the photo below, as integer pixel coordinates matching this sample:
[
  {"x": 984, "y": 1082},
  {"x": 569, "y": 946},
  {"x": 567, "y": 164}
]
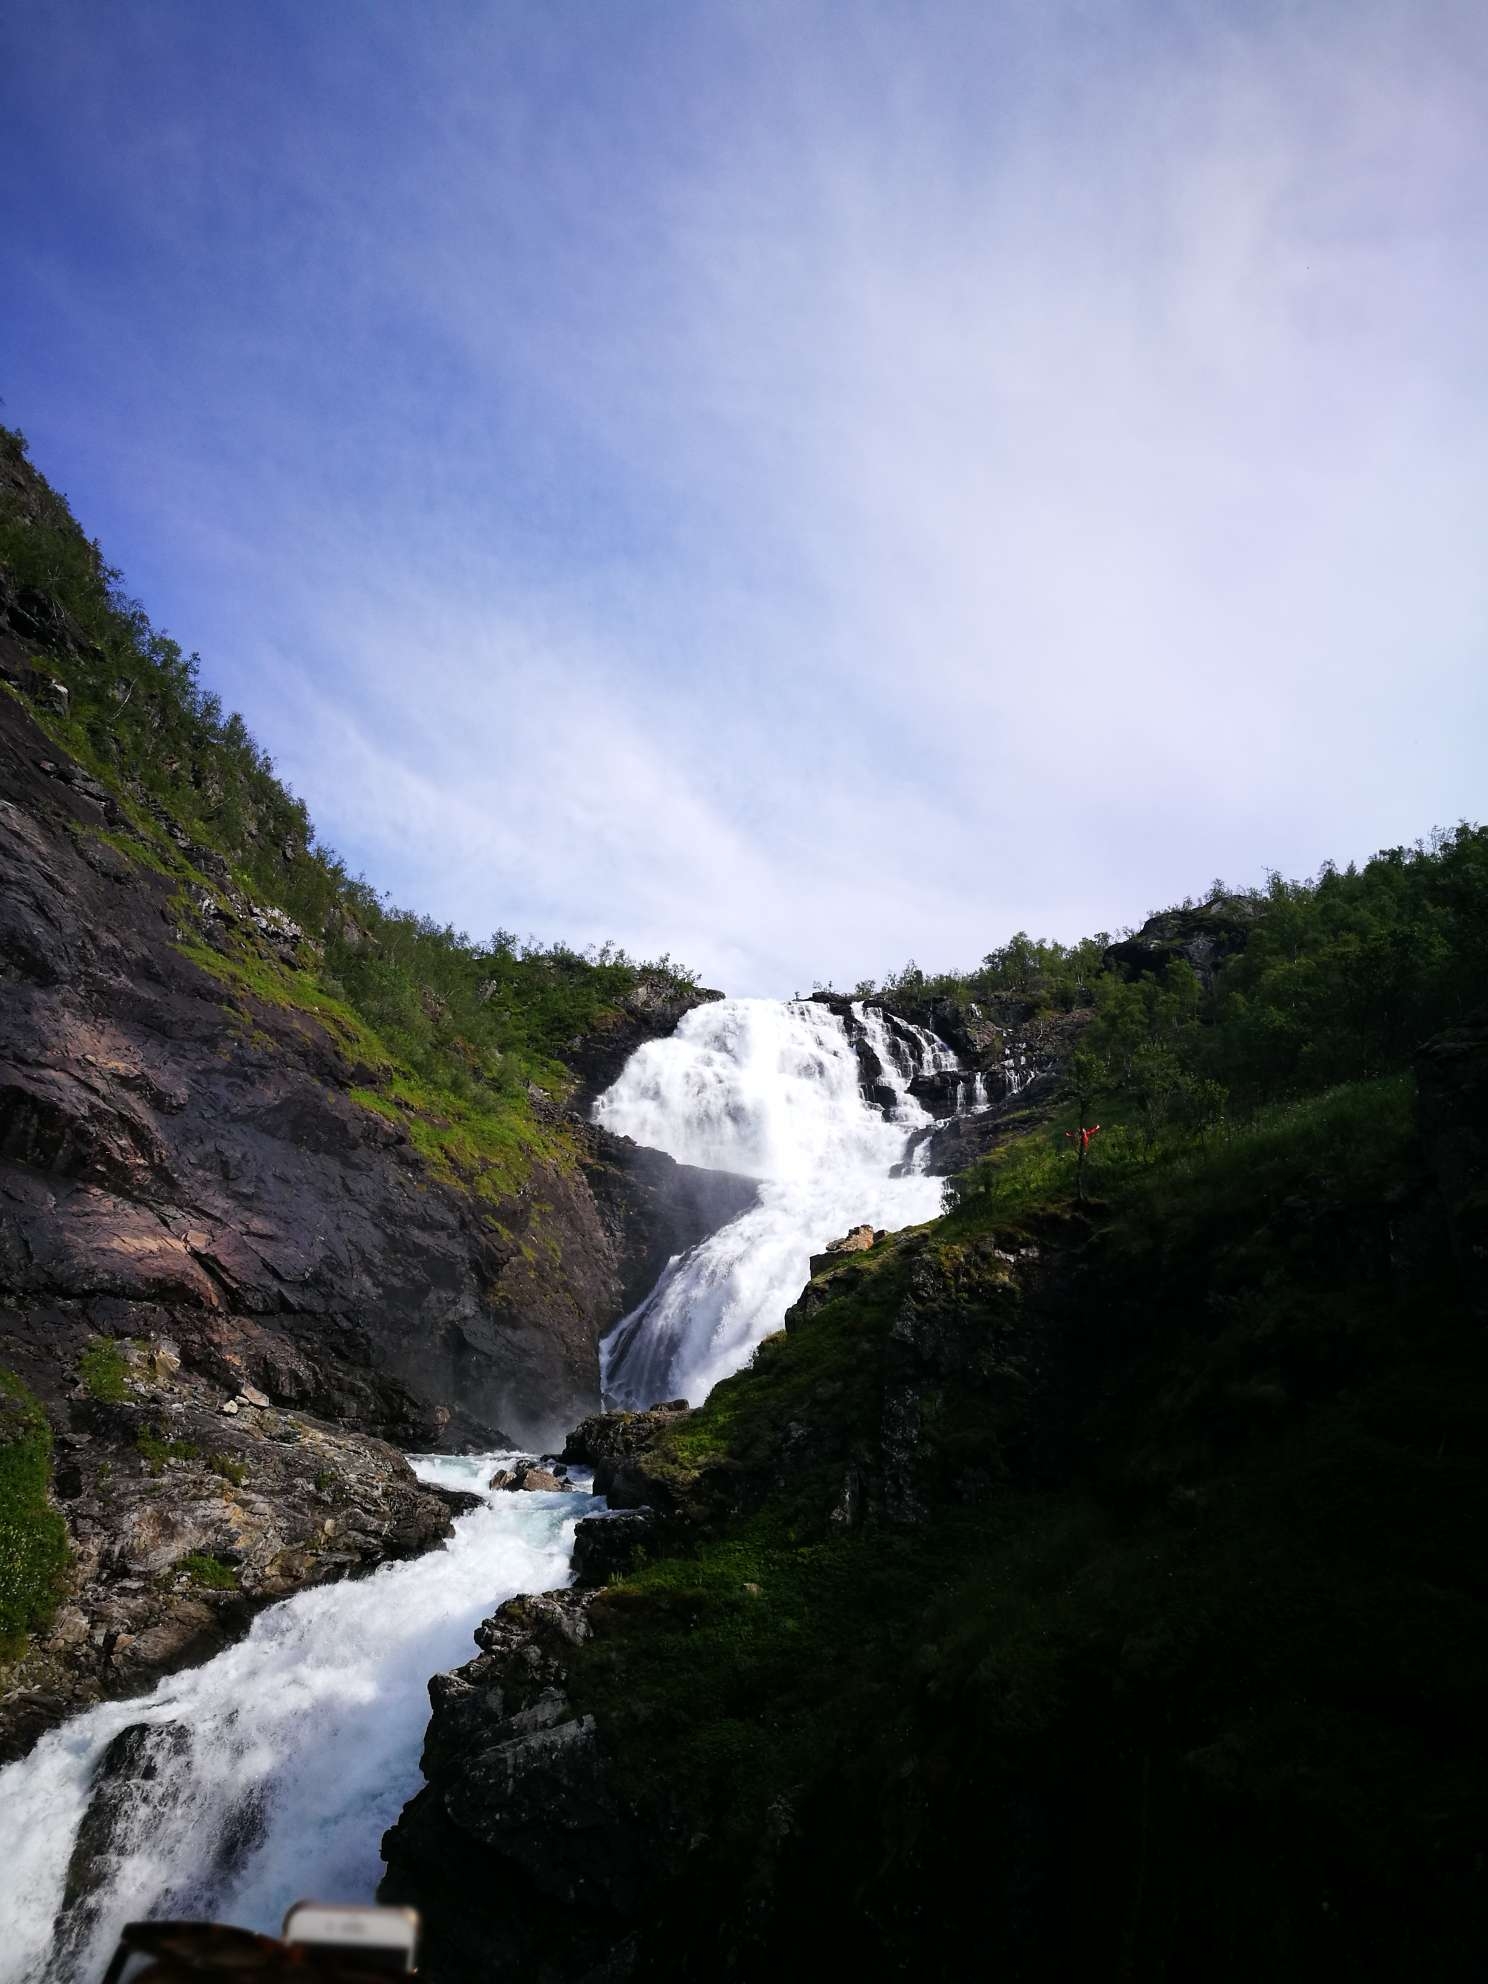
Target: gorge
[{"x": 272, "y": 1770}]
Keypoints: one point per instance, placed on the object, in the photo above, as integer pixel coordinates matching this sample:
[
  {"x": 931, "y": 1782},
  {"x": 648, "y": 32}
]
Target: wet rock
[
  {"x": 185, "y": 1523},
  {"x": 650, "y": 1011},
  {"x": 519, "y": 1803},
  {"x": 127, "y": 1791},
  {"x": 607, "y": 1546},
  {"x": 611, "y": 1436},
  {"x": 654, "y": 1207},
  {"x": 858, "y": 1240}
]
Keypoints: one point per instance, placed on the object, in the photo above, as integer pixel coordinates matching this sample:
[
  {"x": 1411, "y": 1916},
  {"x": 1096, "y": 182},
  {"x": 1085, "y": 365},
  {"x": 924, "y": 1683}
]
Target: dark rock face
[
  {"x": 164, "y": 1168},
  {"x": 126, "y": 1782},
  {"x": 614, "y": 1445},
  {"x": 653, "y": 1207},
  {"x": 907, "y": 1050},
  {"x": 607, "y": 1546},
  {"x": 1017, "y": 1066},
  {"x": 651, "y": 1011},
  {"x": 520, "y": 1849},
  {"x": 1202, "y": 937},
  {"x": 187, "y": 1519}
]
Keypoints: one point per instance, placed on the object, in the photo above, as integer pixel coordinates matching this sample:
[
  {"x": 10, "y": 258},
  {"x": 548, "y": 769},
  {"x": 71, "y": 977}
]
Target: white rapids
[
  {"x": 278, "y": 1765},
  {"x": 302, "y": 1745},
  {"x": 769, "y": 1088}
]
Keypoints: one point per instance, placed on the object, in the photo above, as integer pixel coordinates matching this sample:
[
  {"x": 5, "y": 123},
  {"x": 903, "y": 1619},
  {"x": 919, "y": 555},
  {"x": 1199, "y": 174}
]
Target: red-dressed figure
[{"x": 1081, "y": 1141}]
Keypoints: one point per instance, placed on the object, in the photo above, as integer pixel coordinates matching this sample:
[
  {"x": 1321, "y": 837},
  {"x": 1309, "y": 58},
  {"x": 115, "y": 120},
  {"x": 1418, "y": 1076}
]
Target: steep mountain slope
[{"x": 336, "y": 1166}]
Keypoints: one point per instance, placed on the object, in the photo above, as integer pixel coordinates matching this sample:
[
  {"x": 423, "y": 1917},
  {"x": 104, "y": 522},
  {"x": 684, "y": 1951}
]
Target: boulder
[
  {"x": 606, "y": 1546},
  {"x": 856, "y": 1241},
  {"x": 606, "y": 1437},
  {"x": 519, "y": 1801}
]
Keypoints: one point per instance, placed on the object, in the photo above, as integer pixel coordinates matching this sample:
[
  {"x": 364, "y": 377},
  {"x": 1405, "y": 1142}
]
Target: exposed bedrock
[
  {"x": 187, "y": 1158},
  {"x": 653, "y": 1207},
  {"x": 188, "y": 1511}
]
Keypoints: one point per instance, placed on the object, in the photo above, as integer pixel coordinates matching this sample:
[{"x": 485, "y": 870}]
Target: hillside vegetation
[
  {"x": 476, "y": 1019},
  {"x": 1095, "y": 1586}
]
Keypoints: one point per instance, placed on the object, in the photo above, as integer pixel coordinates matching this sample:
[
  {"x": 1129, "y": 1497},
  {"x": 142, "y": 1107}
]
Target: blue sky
[{"x": 798, "y": 486}]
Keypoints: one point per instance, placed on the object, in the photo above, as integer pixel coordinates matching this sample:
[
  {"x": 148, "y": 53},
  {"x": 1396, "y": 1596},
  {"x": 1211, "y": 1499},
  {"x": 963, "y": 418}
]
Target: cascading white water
[
  {"x": 301, "y": 1747},
  {"x": 281, "y": 1762},
  {"x": 769, "y": 1088}
]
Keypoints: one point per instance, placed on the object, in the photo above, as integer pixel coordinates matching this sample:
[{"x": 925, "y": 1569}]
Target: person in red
[{"x": 1081, "y": 1141}]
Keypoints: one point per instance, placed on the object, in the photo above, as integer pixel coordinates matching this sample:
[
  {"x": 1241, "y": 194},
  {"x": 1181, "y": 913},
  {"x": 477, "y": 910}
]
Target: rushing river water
[
  {"x": 283, "y": 1760},
  {"x": 279, "y": 1764}
]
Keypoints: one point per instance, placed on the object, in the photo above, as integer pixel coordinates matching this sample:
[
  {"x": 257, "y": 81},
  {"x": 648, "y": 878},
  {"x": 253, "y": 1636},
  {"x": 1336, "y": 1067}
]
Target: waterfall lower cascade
[
  {"x": 772, "y": 1089},
  {"x": 269, "y": 1774},
  {"x": 280, "y": 1763}
]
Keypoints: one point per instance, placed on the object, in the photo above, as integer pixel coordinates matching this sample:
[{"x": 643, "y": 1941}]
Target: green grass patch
[
  {"x": 34, "y": 1551},
  {"x": 155, "y": 1450},
  {"x": 207, "y": 1571},
  {"x": 486, "y": 1146},
  {"x": 227, "y": 1469},
  {"x": 249, "y": 975},
  {"x": 103, "y": 1370}
]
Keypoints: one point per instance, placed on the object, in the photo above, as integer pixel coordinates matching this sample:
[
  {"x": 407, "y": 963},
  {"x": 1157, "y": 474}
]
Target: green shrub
[
  {"x": 209, "y": 1572},
  {"x": 228, "y": 1469}
]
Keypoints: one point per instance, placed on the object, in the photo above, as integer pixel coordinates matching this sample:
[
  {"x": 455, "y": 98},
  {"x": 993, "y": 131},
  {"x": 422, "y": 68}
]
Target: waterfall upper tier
[{"x": 779, "y": 1090}]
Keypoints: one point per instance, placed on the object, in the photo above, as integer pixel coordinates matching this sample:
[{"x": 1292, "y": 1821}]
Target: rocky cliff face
[
  {"x": 1011, "y": 1056},
  {"x": 196, "y": 1154},
  {"x": 189, "y": 1510}
]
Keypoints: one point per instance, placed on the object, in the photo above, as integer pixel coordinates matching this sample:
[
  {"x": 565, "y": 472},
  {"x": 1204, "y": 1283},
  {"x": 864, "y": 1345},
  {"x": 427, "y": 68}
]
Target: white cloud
[{"x": 840, "y": 484}]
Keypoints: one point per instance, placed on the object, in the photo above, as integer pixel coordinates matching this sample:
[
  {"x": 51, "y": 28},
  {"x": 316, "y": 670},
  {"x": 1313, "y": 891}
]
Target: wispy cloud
[{"x": 801, "y": 485}]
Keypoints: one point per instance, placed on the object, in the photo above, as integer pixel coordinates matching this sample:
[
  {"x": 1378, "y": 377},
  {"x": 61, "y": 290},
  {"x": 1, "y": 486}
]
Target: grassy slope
[
  {"x": 33, "y": 1539},
  {"x": 1185, "y": 1683},
  {"x": 454, "y": 1033}
]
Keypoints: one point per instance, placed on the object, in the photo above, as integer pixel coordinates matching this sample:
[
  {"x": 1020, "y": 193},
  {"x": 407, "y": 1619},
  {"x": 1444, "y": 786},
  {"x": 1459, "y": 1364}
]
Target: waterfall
[
  {"x": 280, "y": 1763},
  {"x": 770, "y": 1088},
  {"x": 270, "y": 1773}
]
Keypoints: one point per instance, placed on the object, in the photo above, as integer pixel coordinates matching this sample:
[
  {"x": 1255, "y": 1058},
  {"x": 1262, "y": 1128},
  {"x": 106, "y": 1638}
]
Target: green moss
[
  {"x": 247, "y": 974},
  {"x": 207, "y": 1571},
  {"x": 156, "y": 1450},
  {"x": 34, "y": 1551},
  {"x": 228, "y": 1469},
  {"x": 103, "y": 1370},
  {"x": 488, "y": 1147}
]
